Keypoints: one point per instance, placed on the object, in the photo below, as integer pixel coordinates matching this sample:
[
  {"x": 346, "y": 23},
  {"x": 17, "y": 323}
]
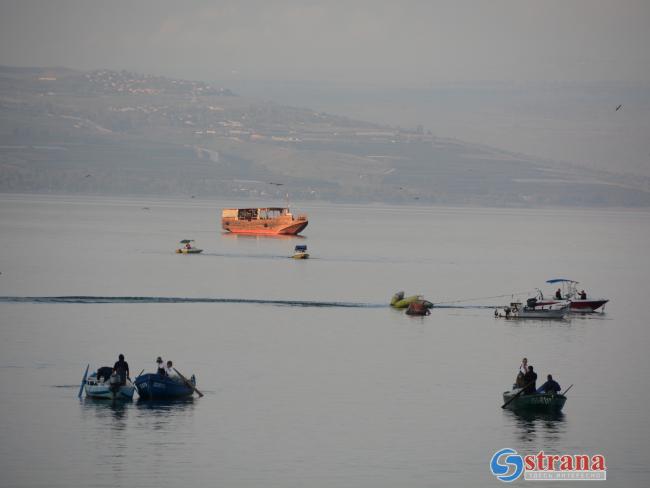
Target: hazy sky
[{"x": 371, "y": 41}]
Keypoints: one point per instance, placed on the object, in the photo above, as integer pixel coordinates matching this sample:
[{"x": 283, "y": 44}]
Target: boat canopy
[
  {"x": 261, "y": 213},
  {"x": 560, "y": 280},
  {"x": 187, "y": 241}
]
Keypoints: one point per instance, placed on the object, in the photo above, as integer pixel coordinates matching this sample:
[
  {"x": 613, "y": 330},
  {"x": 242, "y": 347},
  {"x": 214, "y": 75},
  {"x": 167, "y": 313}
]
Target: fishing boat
[
  {"x": 300, "y": 252},
  {"x": 580, "y": 302},
  {"x": 262, "y": 221},
  {"x": 533, "y": 310},
  {"x": 538, "y": 402},
  {"x": 153, "y": 386},
  {"x": 187, "y": 247},
  {"x": 400, "y": 301},
  {"x": 103, "y": 383}
]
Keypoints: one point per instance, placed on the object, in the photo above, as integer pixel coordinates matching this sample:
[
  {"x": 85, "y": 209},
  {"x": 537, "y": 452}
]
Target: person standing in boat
[
  {"x": 583, "y": 295},
  {"x": 160, "y": 367},
  {"x": 550, "y": 386},
  {"x": 558, "y": 294},
  {"x": 523, "y": 369},
  {"x": 121, "y": 369},
  {"x": 530, "y": 379}
]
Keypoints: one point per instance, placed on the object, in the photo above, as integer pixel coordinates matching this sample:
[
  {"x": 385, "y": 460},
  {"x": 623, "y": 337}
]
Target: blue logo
[{"x": 508, "y": 468}]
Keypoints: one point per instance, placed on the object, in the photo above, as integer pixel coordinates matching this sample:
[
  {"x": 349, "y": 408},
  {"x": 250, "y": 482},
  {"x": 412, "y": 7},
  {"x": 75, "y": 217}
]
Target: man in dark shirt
[
  {"x": 529, "y": 379},
  {"x": 121, "y": 369},
  {"x": 550, "y": 386}
]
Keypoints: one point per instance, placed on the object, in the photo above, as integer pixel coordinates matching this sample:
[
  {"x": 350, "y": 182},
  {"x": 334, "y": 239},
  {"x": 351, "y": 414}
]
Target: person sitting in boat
[
  {"x": 550, "y": 386},
  {"x": 160, "y": 367},
  {"x": 519, "y": 381},
  {"x": 188, "y": 245},
  {"x": 121, "y": 369},
  {"x": 530, "y": 378},
  {"x": 583, "y": 295},
  {"x": 169, "y": 370},
  {"x": 558, "y": 294}
]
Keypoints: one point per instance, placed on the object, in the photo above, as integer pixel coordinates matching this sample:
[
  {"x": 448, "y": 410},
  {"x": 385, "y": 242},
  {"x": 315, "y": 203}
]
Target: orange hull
[{"x": 282, "y": 225}]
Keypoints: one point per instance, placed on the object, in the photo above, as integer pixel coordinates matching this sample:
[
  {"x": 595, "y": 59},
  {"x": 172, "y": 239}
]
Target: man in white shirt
[{"x": 170, "y": 370}]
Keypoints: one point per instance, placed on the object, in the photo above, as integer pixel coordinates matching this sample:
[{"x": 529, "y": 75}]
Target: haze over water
[{"x": 321, "y": 396}]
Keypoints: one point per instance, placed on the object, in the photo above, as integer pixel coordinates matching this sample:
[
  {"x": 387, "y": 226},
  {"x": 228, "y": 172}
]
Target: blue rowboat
[{"x": 153, "y": 386}]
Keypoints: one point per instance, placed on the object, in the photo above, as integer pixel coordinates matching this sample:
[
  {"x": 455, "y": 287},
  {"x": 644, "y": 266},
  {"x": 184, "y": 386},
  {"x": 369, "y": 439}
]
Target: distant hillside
[{"x": 109, "y": 132}]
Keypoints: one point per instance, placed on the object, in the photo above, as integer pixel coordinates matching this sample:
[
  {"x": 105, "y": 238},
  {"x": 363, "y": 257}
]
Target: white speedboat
[
  {"x": 532, "y": 310},
  {"x": 104, "y": 384},
  {"x": 568, "y": 290}
]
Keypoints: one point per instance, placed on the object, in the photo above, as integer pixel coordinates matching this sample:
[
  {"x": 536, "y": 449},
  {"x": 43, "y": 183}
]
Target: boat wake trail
[{"x": 92, "y": 300}]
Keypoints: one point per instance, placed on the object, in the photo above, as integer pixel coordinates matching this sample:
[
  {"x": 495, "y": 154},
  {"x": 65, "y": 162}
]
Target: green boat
[{"x": 536, "y": 402}]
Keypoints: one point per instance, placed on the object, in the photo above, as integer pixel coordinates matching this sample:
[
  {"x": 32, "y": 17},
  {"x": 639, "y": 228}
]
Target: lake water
[{"x": 314, "y": 396}]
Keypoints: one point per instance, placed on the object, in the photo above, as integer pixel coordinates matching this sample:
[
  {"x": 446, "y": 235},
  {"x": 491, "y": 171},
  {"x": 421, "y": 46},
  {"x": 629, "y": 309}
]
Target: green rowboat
[{"x": 537, "y": 402}]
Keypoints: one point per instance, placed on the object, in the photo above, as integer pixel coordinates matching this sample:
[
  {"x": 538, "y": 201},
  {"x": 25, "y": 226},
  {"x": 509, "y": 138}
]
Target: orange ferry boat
[{"x": 262, "y": 221}]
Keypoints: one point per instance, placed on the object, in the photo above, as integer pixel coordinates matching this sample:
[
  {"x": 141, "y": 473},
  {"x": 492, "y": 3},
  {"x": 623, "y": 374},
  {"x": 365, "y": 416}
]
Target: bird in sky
[
  {"x": 276, "y": 184},
  {"x": 619, "y": 107}
]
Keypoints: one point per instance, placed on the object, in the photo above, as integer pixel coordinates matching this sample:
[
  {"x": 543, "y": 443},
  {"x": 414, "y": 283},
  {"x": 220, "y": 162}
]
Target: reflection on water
[
  {"x": 158, "y": 415},
  {"x": 165, "y": 407},
  {"x": 101, "y": 410},
  {"x": 538, "y": 428}
]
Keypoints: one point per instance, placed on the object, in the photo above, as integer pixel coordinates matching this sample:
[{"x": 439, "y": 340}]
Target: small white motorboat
[
  {"x": 103, "y": 383},
  {"x": 187, "y": 247},
  {"x": 532, "y": 310},
  {"x": 300, "y": 252}
]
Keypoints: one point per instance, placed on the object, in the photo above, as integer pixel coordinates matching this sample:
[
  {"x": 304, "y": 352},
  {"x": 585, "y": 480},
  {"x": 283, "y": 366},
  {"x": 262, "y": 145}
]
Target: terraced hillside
[{"x": 109, "y": 132}]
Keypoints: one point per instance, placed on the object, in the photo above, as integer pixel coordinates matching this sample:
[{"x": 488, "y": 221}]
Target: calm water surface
[{"x": 314, "y": 396}]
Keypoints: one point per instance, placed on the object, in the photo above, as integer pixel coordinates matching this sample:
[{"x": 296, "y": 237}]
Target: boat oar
[
  {"x": 517, "y": 395},
  {"x": 188, "y": 383},
  {"x": 138, "y": 375},
  {"x": 564, "y": 393},
  {"x": 83, "y": 381}
]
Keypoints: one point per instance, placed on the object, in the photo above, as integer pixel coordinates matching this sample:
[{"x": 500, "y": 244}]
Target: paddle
[
  {"x": 188, "y": 383},
  {"x": 138, "y": 375},
  {"x": 517, "y": 395},
  {"x": 564, "y": 394},
  {"x": 83, "y": 381}
]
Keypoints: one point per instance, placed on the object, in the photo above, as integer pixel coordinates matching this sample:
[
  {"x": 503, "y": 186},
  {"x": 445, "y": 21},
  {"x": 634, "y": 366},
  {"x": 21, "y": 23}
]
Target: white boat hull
[
  {"x": 554, "y": 311},
  {"x": 124, "y": 392}
]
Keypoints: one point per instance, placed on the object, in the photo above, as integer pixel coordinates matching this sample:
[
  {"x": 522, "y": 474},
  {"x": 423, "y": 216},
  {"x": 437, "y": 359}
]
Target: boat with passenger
[
  {"x": 105, "y": 383},
  {"x": 187, "y": 248},
  {"x": 300, "y": 252},
  {"x": 568, "y": 290},
  {"x": 154, "y": 386},
  {"x": 266, "y": 221},
  {"x": 547, "y": 402}
]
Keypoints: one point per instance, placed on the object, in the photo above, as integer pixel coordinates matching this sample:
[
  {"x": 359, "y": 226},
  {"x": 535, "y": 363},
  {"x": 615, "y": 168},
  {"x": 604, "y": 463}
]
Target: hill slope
[{"x": 110, "y": 132}]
